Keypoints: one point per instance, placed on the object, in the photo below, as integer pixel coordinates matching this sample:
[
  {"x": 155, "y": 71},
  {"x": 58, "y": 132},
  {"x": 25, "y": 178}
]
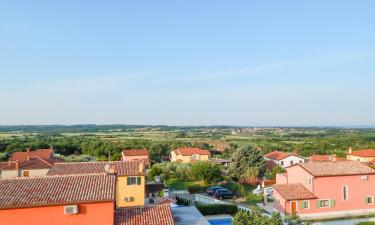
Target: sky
[{"x": 246, "y": 63}]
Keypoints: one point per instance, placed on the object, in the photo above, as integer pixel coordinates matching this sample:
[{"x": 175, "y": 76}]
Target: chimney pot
[
  {"x": 350, "y": 150},
  {"x": 17, "y": 165}
]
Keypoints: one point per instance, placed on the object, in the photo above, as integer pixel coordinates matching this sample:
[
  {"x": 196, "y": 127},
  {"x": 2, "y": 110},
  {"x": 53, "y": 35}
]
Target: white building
[{"x": 283, "y": 159}]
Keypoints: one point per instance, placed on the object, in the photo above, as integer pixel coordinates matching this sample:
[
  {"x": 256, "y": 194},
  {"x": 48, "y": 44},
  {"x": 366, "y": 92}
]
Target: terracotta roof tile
[
  {"x": 123, "y": 168},
  {"x": 22, "y": 156},
  {"x": 276, "y": 155},
  {"x": 364, "y": 153},
  {"x": 56, "y": 190},
  {"x": 191, "y": 151},
  {"x": 323, "y": 158},
  {"x": 150, "y": 215},
  {"x": 32, "y": 163},
  {"x": 135, "y": 152},
  {"x": 338, "y": 168},
  {"x": 293, "y": 191}
]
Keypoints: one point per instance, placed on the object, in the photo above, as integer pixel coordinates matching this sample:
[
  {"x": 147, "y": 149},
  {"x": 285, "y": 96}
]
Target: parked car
[
  {"x": 225, "y": 193},
  {"x": 211, "y": 190}
]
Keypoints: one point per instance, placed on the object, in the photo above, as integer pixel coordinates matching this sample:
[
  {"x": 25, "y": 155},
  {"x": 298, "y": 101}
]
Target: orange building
[{"x": 58, "y": 200}]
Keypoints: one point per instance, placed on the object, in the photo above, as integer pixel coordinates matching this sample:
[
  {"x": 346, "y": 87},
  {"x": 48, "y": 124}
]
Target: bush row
[{"x": 217, "y": 209}]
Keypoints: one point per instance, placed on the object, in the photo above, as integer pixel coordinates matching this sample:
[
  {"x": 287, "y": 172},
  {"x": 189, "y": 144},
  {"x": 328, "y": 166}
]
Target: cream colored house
[
  {"x": 364, "y": 155},
  {"x": 188, "y": 155},
  {"x": 32, "y": 167}
]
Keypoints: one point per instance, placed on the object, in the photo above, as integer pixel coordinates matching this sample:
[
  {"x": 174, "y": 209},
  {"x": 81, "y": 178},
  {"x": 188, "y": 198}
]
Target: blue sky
[{"x": 269, "y": 63}]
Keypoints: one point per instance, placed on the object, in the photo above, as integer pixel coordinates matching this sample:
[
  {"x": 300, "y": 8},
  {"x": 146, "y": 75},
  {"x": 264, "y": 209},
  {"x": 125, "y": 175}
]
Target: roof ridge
[{"x": 53, "y": 176}]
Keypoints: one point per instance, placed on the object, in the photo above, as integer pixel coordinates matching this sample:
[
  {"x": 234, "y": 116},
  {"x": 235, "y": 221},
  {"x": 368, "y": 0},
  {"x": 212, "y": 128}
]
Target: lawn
[{"x": 182, "y": 185}]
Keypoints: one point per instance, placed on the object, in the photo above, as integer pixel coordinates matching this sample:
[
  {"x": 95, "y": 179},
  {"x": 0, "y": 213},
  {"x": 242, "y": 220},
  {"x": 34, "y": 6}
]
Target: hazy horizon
[{"x": 277, "y": 63}]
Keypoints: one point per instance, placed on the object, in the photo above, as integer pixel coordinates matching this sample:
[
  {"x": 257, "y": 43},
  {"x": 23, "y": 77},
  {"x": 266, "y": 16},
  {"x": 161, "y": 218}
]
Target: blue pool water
[{"x": 225, "y": 221}]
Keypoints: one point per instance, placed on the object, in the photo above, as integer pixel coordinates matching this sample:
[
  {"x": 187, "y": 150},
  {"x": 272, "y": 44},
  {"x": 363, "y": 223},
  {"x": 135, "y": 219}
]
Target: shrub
[
  {"x": 196, "y": 189},
  {"x": 366, "y": 223},
  {"x": 215, "y": 209}
]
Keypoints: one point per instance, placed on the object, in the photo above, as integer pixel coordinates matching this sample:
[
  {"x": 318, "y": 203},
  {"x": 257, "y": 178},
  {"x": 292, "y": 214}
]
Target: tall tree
[{"x": 244, "y": 160}]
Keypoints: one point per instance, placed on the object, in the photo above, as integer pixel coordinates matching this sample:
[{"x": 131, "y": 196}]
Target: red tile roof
[
  {"x": 364, "y": 153},
  {"x": 123, "y": 168},
  {"x": 270, "y": 164},
  {"x": 323, "y": 158},
  {"x": 191, "y": 151},
  {"x": 42, "y": 153},
  {"x": 276, "y": 155},
  {"x": 149, "y": 215},
  {"x": 293, "y": 191},
  {"x": 56, "y": 190},
  {"x": 32, "y": 163},
  {"x": 338, "y": 168},
  {"x": 135, "y": 152}
]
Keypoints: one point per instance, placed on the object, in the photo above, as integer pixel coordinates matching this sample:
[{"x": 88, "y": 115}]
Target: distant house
[
  {"x": 130, "y": 177},
  {"x": 325, "y": 158},
  {"x": 76, "y": 200},
  {"x": 364, "y": 155},
  {"x": 136, "y": 154},
  {"x": 32, "y": 167},
  {"x": 319, "y": 190},
  {"x": 42, "y": 153},
  {"x": 188, "y": 155},
  {"x": 283, "y": 159},
  {"x": 223, "y": 162}
]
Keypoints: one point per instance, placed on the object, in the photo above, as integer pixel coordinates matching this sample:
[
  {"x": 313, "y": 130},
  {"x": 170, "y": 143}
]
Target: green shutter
[
  {"x": 317, "y": 204},
  {"x": 366, "y": 200},
  {"x": 139, "y": 180},
  {"x": 332, "y": 203},
  {"x": 128, "y": 181},
  {"x": 302, "y": 204}
]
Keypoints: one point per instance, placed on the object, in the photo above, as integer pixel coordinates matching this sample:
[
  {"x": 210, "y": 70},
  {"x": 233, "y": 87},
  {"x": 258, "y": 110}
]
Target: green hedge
[
  {"x": 217, "y": 209},
  {"x": 366, "y": 223}
]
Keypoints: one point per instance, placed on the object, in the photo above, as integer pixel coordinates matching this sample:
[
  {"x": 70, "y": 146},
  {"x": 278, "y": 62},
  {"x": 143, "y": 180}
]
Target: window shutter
[
  {"x": 302, "y": 204},
  {"x": 139, "y": 180},
  {"x": 366, "y": 200},
  {"x": 317, "y": 204},
  {"x": 128, "y": 181},
  {"x": 332, "y": 203}
]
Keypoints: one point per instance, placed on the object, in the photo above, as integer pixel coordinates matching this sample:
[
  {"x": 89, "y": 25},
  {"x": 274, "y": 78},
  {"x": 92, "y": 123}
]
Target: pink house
[
  {"x": 317, "y": 190},
  {"x": 136, "y": 154}
]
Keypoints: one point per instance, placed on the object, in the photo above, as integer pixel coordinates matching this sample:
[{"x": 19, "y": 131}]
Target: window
[
  {"x": 345, "y": 192},
  {"x": 300, "y": 161},
  {"x": 26, "y": 173},
  {"x": 305, "y": 205},
  {"x": 282, "y": 163},
  {"x": 134, "y": 181},
  {"x": 291, "y": 162},
  {"x": 324, "y": 203},
  {"x": 369, "y": 200},
  {"x": 194, "y": 157},
  {"x": 309, "y": 180}
]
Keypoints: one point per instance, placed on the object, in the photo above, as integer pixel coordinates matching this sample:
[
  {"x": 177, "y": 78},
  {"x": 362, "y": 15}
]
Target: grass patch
[{"x": 177, "y": 184}]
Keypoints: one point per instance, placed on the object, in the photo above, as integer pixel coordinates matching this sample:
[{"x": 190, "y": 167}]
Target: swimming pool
[{"x": 224, "y": 221}]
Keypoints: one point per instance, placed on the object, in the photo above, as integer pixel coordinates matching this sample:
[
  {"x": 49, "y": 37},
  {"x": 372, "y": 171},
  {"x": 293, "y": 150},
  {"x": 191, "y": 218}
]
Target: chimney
[
  {"x": 17, "y": 165},
  {"x": 9, "y": 162},
  {"x": 350, "y": 150},
  {"x": 334, "y": 158},
  {"x": 110, "y": 168},
  {"x": 141, "y": 167}
]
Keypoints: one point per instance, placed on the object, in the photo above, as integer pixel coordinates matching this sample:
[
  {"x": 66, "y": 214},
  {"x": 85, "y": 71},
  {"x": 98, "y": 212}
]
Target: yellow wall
[
  {"x": 123, "y": 190},
  {"x": 358, "y": 158},
  {"x": 187, "y": 159}
]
